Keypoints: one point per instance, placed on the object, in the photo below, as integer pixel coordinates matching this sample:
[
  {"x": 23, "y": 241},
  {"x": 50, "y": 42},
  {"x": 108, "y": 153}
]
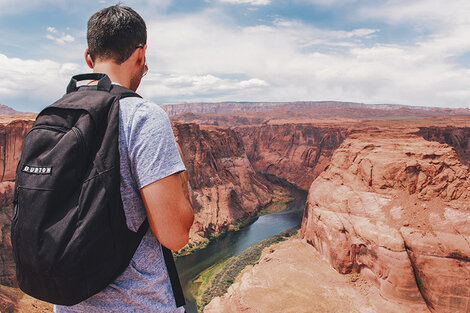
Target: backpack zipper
[
  {"x": 81, "y": 140},
  {"x": 15, "y": 207},
  {"x": 50, "y": 127}
]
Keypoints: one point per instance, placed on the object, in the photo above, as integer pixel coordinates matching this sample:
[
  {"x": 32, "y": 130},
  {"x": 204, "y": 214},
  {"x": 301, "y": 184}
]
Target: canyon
[
  {"x": 392, "y": 207},
  {"x": 225, "y": 188},
  {"x": 388, "y": 190}
]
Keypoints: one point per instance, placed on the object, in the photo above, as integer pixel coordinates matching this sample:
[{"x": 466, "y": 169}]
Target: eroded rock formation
[
  {"x": 396, "y": 208},
  {"x": 12, "y": 133},
  {"x": 293, "y": 277},
  {"x": 295, "y": 152},
  {"x": 457, "y": 137},
  {"x": 225, "y": 188},
  {"x": 7, "y": 263},
  {"x": 11, "y": 141}
]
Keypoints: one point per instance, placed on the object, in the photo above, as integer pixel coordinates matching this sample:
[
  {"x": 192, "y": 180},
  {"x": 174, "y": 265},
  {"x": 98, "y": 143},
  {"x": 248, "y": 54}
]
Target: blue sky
[{"x": 414, "y": 52}]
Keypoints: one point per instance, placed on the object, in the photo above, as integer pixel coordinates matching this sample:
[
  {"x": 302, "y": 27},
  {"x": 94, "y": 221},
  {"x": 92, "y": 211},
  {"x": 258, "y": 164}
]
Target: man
[{"x": 153, "y": 178}]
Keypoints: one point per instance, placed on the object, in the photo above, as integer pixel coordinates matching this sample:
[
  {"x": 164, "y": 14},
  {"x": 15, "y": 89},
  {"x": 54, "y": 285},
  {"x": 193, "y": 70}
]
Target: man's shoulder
[{"x": 138, "y": 108}]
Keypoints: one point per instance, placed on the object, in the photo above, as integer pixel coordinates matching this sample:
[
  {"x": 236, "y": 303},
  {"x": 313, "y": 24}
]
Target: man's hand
[{"x": 169, "y": 210}]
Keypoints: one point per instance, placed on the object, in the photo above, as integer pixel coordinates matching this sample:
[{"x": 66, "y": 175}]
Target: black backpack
[{"x": 69, "y": 232}]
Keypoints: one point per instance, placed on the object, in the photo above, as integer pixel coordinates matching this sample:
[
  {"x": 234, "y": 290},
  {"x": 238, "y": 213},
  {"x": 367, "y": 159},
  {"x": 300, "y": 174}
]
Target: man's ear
[
  {"x": 88, "y": 59},
  {"x": 141, "y": 55}
]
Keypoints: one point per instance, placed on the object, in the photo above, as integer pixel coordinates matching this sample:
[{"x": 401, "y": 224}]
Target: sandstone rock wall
[
  {"x": 11, "y": 141},
  {"x": 224, "y": 185},
  {"x": 12, "y": 134},
  {"x": 295, "y": 152},
  {"x": 396, "y": 208},
  {"x": 457, "y": 137},
  {"x": 7, "y": 262}
]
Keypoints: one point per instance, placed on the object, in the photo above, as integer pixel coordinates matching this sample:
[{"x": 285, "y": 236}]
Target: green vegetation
[
  {"x": 214, "y": 281},
  {"x": 191, "y": 247},
  {"x": 278, "y": 204}
]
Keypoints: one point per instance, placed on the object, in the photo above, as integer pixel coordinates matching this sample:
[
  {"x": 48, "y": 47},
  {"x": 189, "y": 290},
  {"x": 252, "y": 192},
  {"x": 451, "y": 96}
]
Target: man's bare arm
[{"x": 169, "y": 210}]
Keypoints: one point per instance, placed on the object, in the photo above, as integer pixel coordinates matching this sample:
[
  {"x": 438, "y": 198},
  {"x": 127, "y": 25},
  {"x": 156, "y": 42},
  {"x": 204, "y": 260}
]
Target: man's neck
[{"x": 116, "y": 72}]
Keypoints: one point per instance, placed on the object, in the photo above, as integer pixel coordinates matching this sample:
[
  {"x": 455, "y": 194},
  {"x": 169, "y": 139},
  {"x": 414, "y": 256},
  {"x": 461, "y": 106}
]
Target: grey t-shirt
[{"x": 148, "y": 153}]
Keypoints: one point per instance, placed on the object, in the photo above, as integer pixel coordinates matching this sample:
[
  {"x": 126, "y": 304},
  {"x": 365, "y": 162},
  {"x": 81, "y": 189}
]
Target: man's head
[
  {"x": 114, "y": 33},
  {"x": 117, "y": 37}
]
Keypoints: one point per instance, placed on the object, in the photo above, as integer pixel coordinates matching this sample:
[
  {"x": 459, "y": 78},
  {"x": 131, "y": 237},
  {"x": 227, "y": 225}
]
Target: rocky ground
[
  {"x": 293, "y": 277},
  {"x": 395, "y": 208}
]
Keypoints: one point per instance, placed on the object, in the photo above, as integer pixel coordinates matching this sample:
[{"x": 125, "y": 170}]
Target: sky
[{"x": 411, "y": 52}]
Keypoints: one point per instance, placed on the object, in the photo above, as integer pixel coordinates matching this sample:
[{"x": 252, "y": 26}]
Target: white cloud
[
  {"x": 52, "y": 30},
  {"x": 40, "y": 79},
  {"x": 192, "y": 52},
  {"x": 250, "y": 2},
  {"x": 207, "y": 56},
  {"x": 429, "y": 13},
  {"x": 330, "y": 2},
  {"x": 158, "y": 85},
  {"x": 60, "y": 38}
]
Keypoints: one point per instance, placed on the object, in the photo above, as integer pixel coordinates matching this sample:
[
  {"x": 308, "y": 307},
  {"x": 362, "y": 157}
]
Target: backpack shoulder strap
[
  {"x": 170, "y": 265},
  {"x": 174, "y": 278}
]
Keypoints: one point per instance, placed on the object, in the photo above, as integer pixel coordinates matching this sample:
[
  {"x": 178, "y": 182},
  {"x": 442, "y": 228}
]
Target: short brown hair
[{"x": 114, "y": 33}]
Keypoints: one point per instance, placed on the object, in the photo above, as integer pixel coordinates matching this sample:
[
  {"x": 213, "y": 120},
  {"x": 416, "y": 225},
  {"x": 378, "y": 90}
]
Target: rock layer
[
  {"x": 313, "y": 109},
  {"x": 295, "y": 152},
  {"x": 7, "y": 262},
  {"x": 457, "y": 137},
  {"x": 12, "y": 133},
  {"x": 11, "y": 140},
  {"x": 224, "y": 186},
  {"x": 396, "y": 208}
]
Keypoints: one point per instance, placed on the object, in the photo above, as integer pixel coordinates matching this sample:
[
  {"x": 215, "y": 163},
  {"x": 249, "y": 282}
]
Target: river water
[{"x": 235, "y": 243}]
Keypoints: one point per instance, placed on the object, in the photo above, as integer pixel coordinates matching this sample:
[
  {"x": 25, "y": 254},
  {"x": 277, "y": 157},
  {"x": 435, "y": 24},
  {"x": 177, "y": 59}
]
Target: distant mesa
[
  {"x": 6, "y": 110},
  {"x": 309, "y": 109}
]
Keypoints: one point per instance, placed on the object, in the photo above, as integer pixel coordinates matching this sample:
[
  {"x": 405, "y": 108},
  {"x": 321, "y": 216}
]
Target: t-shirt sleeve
[{"x": 152, "y": 146}]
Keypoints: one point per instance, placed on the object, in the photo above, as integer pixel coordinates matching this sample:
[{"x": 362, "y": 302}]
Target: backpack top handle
[{"x": 104, "y": 83}]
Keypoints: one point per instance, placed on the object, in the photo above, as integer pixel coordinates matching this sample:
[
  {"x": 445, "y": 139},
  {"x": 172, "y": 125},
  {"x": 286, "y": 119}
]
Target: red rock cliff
[
  {"x": 224, "y": 185},
  {"x": 11, "y": 141},
  {"x": 396, "y": 208},
  {"x": 12, "y": 133},
  {"x": 457, "y": 137},
  {"x": 7, "y": 263},
  {"x": 295, "y": 152}
]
